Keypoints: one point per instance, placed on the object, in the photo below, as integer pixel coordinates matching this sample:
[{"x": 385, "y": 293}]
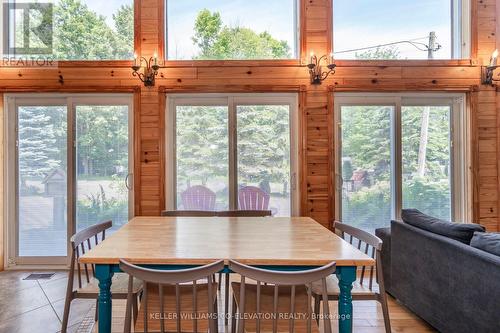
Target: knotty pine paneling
[{"x": 316, "y": 102}]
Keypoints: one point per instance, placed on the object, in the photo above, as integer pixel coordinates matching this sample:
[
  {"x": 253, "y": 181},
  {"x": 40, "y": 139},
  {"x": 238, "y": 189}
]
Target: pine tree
[{"x": 37, "y": 149}]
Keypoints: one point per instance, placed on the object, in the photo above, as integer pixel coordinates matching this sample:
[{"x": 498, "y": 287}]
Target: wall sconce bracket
[
  {"x": 150, "y": 71},
  {"x": 487, "y": 75},
  {"x": 316, "y": 73}
]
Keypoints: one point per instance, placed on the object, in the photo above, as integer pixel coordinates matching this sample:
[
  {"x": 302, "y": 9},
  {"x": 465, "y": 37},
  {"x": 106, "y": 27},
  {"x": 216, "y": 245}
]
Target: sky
[
  {"x": 357, "y": 23},
  {"x": 362, "y": 23}
]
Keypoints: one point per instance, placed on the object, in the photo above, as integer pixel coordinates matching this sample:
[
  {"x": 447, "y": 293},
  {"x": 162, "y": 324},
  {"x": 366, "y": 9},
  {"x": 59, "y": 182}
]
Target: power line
[{"x": 418, "y": 45}]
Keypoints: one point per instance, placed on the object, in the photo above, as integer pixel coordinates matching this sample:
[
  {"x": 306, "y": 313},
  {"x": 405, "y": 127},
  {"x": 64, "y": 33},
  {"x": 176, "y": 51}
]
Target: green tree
[
  {"x": 202, "y": 144},
  {"x": 383, "y": 53},
  {"x": 80, "y": 33},
  {"x": 216, "y": 41},
  {"x": 207, "y": 28},
  {"x": 124, "y": 27},
  {"x": 37, "y": 149},
  {"x": 264, "y": 145},
  {"x": 102, "y": 145}
]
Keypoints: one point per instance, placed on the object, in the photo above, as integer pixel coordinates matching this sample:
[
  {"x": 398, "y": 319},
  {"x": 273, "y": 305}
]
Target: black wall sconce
[
  {"x": 487, "y": 71},
  {"x": 149, "y": 72},
  {"x": 315, "y": 69}
]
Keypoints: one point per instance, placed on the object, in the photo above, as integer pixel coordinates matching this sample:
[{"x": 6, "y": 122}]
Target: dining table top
[{"x": 267, "y": 241}]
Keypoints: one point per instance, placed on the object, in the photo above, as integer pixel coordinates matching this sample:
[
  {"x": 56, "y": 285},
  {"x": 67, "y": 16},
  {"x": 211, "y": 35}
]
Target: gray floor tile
[
  {"x": 14, "y": 280},
  {"x": 55, "y": 290},
  {"x": 16, "y": 302},
  {"x": 41, "y": 320},
  {"x": 72, "y": 329},
  {"x": 78, "y": 310},
  {"x": 57, "y": 276}
]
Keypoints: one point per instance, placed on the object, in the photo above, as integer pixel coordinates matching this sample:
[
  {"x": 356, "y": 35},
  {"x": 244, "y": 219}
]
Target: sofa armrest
[{"x": 385, "y": 235}]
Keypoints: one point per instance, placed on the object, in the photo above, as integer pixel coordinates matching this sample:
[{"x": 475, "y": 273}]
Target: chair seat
[
  {"x": 119, "y": 286},
  {"x": 332, "y": 285},
  {"x": 186, "y": 310},
  {"x": 301, "y": 311}
]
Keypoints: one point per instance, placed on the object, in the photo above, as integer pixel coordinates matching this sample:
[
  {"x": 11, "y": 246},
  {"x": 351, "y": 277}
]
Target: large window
[
  {"x": 395, "y": 29},
  {"x": 69, "y": 29},
  {"x": 400, "y": 151},
  {"x": 228, "y": 152},
  {"x": 68, "y": 167},
  {"x": 231, "y": 29}
]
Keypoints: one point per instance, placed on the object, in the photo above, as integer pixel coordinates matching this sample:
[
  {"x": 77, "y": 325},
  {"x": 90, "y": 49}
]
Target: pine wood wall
[{"x": 316, "y": 102}]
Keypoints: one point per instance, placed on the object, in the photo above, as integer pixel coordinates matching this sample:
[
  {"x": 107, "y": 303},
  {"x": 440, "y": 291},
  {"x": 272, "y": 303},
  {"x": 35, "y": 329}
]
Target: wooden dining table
[{"x": 279, "y": 243}]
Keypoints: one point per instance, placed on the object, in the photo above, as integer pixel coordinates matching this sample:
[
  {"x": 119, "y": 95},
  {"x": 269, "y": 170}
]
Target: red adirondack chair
[
  {"x": 198, "y": 198},
  {"x": 252, "y": 198}
]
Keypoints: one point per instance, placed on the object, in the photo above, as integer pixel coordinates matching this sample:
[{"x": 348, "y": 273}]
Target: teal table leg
[
  {"x": 346, "y": 276},
  {"x": 104, "y": 273}
]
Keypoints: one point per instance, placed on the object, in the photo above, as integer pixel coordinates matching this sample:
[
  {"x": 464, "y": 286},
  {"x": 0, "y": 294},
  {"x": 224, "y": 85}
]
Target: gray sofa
[{"x": 449, "y": 284}]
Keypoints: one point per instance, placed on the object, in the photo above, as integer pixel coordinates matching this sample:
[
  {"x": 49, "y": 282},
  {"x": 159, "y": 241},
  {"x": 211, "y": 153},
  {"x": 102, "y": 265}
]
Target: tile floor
[{"x": 36, "y": 306}]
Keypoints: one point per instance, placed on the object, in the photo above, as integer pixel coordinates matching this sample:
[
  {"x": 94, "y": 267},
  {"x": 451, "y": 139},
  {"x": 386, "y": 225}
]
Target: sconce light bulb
[{"x": 493, "y": 60}]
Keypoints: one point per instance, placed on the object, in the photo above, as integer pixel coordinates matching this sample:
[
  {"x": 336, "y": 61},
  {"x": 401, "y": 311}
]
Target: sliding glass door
[
  {"x": 400, "y": 151},
  {"x": 232, "y": 152},
  {"x": 102, "y": 166},
  {"x": 41, "y": 182},
  {"x": 69, "y": 167},
  {"x": 366, "y": 165}
]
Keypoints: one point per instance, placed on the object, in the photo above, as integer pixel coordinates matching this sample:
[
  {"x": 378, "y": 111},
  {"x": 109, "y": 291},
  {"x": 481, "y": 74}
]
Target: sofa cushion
[
  {"x": 486, "y": 241},
  {"x": 461, "y": 232}
]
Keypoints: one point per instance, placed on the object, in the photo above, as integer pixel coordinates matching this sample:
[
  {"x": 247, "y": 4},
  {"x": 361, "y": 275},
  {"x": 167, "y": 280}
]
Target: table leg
[
  {"x": 226, "y": 301},
  {"x": 104, "y": 274},
  {"x": 346, "y": 276}
]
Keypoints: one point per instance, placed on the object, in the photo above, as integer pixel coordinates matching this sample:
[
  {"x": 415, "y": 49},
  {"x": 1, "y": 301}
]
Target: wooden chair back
[
  {"x": 198, "y": 198},
  {"x": 189, "y": 213},
  {"x": 225, "y": 213},
  {"x": 81, "y": 242},
  {"x": 252, "y": 198},
  {"x": 275, "y": 279},
  {"x": 369, "y": 244},
  {"x": 245, "y": 213},
  {"x": 165, "y": 278}
]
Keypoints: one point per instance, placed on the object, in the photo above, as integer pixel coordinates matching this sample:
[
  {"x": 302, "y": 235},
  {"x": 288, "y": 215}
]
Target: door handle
[
  {"x": 340, "y": 182},
  {"x": 127, "y": 184}
]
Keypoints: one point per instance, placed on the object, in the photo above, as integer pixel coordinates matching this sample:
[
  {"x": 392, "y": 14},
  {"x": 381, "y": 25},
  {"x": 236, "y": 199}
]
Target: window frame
[
  {"x": 299, "y": 33},
  {"x": 461, "y": 23},
  {"x": 232, "y": 100},
  {"x": 11, "y": 174},
  {"x": 460, "y": 168}
]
